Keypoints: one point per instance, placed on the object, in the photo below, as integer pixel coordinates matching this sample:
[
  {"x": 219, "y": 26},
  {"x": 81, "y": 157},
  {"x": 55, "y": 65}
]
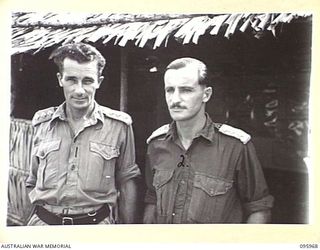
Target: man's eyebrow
[
  {"x": 169, "y": 87},
  {"x": 70, "y": 77},
  {"x": 88, "y": 78},
  {"x": 186, "y": 87}
]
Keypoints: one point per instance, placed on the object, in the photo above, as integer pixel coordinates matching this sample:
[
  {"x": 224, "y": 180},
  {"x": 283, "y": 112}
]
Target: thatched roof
[{"x": 36, "y": 31}]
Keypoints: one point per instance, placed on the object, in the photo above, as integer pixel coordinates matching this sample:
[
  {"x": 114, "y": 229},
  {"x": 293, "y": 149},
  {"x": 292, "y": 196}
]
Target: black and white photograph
[
  {"x": 122, "y": 118},
  {"x": 172, "y": 124}
]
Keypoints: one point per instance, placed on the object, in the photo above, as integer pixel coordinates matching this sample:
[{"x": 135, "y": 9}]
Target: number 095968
[{"x": 308, "y": 246}]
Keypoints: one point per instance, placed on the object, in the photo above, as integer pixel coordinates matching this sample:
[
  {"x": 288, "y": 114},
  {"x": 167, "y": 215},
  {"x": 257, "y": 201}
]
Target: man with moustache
[
  {"x": 198, "y": 171},
  {"x": 83, "y": 157}
]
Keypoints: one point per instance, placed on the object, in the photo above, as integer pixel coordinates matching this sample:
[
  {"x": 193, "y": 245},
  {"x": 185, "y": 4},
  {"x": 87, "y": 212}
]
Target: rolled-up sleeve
[
  {"x": 252, "y": 185},
  {"x": 34, "y": 163},
  {"x": 126, "y": 165}
]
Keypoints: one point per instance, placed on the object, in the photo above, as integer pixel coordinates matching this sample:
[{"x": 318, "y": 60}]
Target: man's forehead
[
  {"x": 71, "y": 62},
  {"x": 187, "y": 74}
]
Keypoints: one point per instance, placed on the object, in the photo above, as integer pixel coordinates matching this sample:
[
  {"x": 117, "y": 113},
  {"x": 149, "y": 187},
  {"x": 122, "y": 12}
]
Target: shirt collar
[
  {"x": 207, "y": 132},
  {"x": 60, "y": 113}
]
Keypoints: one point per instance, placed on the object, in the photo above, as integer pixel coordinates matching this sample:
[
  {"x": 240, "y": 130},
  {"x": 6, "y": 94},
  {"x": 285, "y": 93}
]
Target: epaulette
[
  {"x": 117, "y": 115},
  {"x": 160, "y": 131},
  {"x": 42, "y": 116},
  {"x": 235, "y": 132}
]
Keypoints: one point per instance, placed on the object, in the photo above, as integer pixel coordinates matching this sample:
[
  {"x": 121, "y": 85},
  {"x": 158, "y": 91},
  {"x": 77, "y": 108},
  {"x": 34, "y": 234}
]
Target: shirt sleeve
[
  {"x": 34, "y": 163},
  {"x": 252, "y": 185},
  {"x": 127, "y": 167},
  {"x": 150, "y": 196}
]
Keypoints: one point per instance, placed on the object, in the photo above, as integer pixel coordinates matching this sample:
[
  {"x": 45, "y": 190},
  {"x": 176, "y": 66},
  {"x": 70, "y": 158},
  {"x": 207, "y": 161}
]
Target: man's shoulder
[
  {"x": 234, "y": 132},
  {"x": 117, "y": 115},
  {"x": 163, "y": 130},
  {"x": 43, "y": 115}
]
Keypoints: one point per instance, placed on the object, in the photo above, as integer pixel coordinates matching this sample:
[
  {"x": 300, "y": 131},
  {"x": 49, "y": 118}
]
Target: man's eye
[
  {"x": 169, "y": 90},
  {"x": 71, "y": 80},
  {"x": 87, "y": 82},
  {"x": 186, "y": 90}
]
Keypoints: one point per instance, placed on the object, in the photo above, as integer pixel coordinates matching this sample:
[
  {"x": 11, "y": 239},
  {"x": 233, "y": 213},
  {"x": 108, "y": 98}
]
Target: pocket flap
[
  {"x": 48, "y": 146},
  {"x": 212, "y": 185},
  {"x": 162, "y": 177},
  {"x": 106, "y": 151}
]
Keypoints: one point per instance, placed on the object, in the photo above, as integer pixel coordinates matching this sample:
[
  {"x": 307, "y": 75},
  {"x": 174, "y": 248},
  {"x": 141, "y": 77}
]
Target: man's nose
[
  {"x": 79, "y": 89},
  {"x": 175, "y": 96}
]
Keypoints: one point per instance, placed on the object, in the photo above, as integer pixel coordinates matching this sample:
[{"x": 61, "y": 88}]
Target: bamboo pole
[{"x": 124, "y": 79}]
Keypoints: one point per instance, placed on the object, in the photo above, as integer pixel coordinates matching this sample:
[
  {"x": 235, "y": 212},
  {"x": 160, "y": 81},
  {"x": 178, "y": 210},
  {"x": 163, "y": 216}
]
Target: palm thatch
[{"x": 35, "y": 31}]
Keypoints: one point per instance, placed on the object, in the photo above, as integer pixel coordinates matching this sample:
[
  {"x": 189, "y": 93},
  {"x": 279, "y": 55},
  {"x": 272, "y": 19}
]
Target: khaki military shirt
[
  {"x": 217, "y": 180},
  {"x": 83, "y": 169}
]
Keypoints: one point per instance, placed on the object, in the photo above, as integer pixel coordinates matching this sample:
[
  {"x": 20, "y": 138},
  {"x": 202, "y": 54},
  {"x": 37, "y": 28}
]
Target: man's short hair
[
  {"x": 203, "y": 74},
  {"x": 80, "y": 52}
]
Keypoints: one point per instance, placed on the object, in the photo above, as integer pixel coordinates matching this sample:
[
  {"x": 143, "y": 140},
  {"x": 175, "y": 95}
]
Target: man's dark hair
[
  {"x": 203, "y": 74},
  {"x": 79, "y": 52}
]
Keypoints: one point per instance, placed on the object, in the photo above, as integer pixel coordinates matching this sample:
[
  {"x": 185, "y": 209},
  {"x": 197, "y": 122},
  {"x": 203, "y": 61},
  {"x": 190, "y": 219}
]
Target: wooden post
[{"x": 124, "y": 79}]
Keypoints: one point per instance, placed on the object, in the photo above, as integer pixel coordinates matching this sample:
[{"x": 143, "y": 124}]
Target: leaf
[
  {"x": 120, "y": 32},
  {"x": 139, "y": 34},
  {"x": 131, "y": 33},
  {"x": 147, "y": 34},
  {"x": 73, "y": 34},
  {"x": 254, "y": 24},
  {"x": 288, "y": 19},
  {"x": 167, "y": 29},
  {"x": 112, "y": 33},
  {"x": 84, "y": 34},
  {"x": 188, "y": 29},
  {"x": 246, "y": 24},
  {"x": 279, "y": 18},
  {"x": 217, "y": 21},
  {"x": 233, "y": 24},
  {"x": 98, "y": 33},
  {"x": 201, "y": 28},
  {"x": 183, "y": 29},
  {"x": 264, "y": 21}
]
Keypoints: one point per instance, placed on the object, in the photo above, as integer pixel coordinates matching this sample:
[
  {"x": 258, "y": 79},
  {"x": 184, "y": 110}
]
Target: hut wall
[{"x": 19, "y": 206}]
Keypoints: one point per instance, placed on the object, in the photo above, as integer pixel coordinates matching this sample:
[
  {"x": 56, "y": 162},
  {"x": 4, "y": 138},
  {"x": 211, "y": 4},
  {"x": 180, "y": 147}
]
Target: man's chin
[
  {"x": 80, "y": 106},
  {"x": 178, "y": 116}
]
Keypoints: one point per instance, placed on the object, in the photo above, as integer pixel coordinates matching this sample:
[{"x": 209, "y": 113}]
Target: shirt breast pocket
[
  {"x": 161, "y": 178},
  {"x": 100, "y": 171},
  {"x": 165, "y": 190},
  {"x": 209, "y": 198},
  {"x": 48, "y": 156}
]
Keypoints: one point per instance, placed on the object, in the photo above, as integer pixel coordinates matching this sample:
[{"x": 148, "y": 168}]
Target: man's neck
[
  {"x": 77, "y": 115},
  {"x": 187, "y": 130}
]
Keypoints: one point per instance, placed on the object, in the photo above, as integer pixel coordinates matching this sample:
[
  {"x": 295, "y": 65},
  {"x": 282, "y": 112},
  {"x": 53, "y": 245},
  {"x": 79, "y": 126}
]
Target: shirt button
[
  {"x": 73, "y": 167},
  {"x": 183, "y": 182},
  {"x": 173, "y": 214}
]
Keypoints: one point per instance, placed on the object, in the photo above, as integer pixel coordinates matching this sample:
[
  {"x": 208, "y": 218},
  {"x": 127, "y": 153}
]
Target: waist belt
[{"x": 93, "y": 217}]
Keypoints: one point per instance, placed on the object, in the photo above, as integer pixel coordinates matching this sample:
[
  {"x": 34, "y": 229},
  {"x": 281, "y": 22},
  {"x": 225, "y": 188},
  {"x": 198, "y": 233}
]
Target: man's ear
[
  {"x": 100, "y": 81},
  {"x": 59, "y": 76},
  {"x": 207, "y": 94}
]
